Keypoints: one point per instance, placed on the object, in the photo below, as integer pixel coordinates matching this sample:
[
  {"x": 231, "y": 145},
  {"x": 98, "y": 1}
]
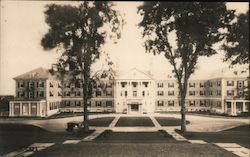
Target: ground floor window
[
  {"x": 16, "y": 108},
  {"x": 108, "y": 103}
]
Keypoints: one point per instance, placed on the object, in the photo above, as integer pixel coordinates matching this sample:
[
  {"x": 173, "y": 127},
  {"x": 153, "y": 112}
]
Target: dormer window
[{"x": 134, "y": 84}]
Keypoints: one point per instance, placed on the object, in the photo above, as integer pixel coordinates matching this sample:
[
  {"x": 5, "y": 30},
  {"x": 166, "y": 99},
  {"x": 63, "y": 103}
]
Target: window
[
  {"x": 192, "y": 93},
  {"x": 77, "y": 93},
  {"x": 109, "y": 85},
  {"x": 134, "y": 84},
  {"x": 67, "y": 85},
  {"x": 121, "y": 93},
  {"x": 202, "y": 102},
  {"x": 160, "y": 85},
  {"x": 67, "y": 103},
  {"x": 218, "y": 93},
  {"x": 143, "y": 93},
  {"x": 98, "y": 103},
  {"x": 202, "y": 93},
  {"x": 31, "y": 85},
  {"x": 145, "y": 84},
  {"x": 126, "y": 93},
  {"x": 192, "y": 84},
  {"x": 191, "y": 103},
  {"x": 123, "y": 84},
  {"x": 67, "y": 93},
  {"x": 171, "y": 93},
  {"x": 171, "y": 84},
  {"x": 202, "y": 84},
  {"x": 51, "y": 94},
  {"x": 98, "y": 93},
  {"x": 230, "y": 83},
  {"x": 20, "y": 94},
  {"x": 240, "y": 84},
  {"x": 210, "y": 84},
  {"x": 108, "y": 103},
  {"x": 20, "y": 84},
  {"x": 211, "y": 93},
  {"x": 134, "y": 93},
  {"x": 51, "y": 84},
  {"x": 230, "y": 93},
  {"x": 218, "y": 84},
  {"x": 78, "y": 103},
  {"x": 160, "y": 93},
  {"x": 160, "y": 103},
  {"x": 218, "y": 104},
  {"x": 31, "y": 95},
  {"x": 171, "y": 103},
  {"x": 78, "y": 85},
  {"x": 109, "y": 93}
]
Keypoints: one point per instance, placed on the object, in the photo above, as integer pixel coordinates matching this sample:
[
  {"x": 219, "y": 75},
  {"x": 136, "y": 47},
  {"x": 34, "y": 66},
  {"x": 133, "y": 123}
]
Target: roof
[
  {"x": 39, "y": 73},
  {"x": 135, "y": 74}
]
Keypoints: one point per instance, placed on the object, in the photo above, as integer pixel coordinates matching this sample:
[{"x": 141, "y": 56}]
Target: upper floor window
[
  {"x": 31, "y": 95},
  {"x": 109, "y": 85},
  {"x": 41, "y": 84},
  {"x": 41, "y": 94},
  {"x": 191, "y": 84},
  {"x": 218, "y": 84},
  {"x": 78, "y": 103},
  {"x": 160, "y": 85},
  {"x": 51, "y": 84},
  {"x": 171, "y": 84},
  {"x": 160, "y": 103},
  {"x": 31, "y": 85},
  {"x": 230, "y": 83},
  {"x": 134, "y": 84},
  {"x": 145, "y": 84},
  {"x": 109, "y": 93},
  {"x": 98, "y": 103},
  {"x": 240, "y": 84},
  {"x": 20, "y": 94},
  {"x": 160, "y": 93},
  {"x": 51, "y": 93},
  {"x": 202, "y": 84},
  {"x": 218, "y": 93},
  {"x": 126, "y": 93},
  {"x": 202, "y": 102},
  {"x": 202, "y": 93},
  {"x": 192, "y": 93},
  {"x": 20, "y": 84},
  {"x": 191, "y": 103},
  {"x": 230, "y": 93},
  {"x": 109, "y": 103},
  {"x": 143, "y": 93},
  {"x": 170, "y": 93},
  {"x": 98, "y": 93},
  {"x": 171, "y": 103},
  {"x": 77, "y": 93},
  {"x": 123, "y": 84},
  {"x": 134, "y": 93}
]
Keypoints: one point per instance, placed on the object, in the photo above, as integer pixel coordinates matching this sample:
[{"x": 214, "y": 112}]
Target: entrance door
[{"x": 134, "y": 108}]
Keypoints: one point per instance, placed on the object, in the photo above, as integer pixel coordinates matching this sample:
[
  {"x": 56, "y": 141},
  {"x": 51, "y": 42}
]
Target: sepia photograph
[{"x": 124, "y": 79}]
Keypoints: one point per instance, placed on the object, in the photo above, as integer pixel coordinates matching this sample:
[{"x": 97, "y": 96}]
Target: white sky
[{"x": 23, "y": 25}]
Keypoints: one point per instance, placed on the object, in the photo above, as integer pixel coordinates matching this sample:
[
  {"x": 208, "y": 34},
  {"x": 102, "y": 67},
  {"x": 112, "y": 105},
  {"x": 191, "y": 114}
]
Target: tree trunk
[
  {"x": 183, "y": 114},
  {"x": 182, "y": 97},
  {"x": 85, "y": 106}
]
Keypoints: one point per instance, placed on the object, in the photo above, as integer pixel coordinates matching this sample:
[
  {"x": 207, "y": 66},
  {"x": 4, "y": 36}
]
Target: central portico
[{"x": 134, "y": 92}]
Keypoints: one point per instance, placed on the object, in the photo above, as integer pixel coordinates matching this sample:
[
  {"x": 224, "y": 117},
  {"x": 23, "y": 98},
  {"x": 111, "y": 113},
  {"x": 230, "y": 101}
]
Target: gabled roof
[
  {"x": 135, "y": 74},
  {"x": 39, "y": 73}
]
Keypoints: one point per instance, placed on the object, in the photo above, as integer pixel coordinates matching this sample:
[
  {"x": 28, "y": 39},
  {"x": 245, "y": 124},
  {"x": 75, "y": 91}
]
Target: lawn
[
  {"x": 240, "y": 135},
  {"x": 93, "y": 149},
  {"x": 144, "y": 137},
  {"x": 134, "y": 121},
  {"x": 169, "y": 121},
  {"x": 18, "y": 136},
  {"x": 101, "y": 121}
]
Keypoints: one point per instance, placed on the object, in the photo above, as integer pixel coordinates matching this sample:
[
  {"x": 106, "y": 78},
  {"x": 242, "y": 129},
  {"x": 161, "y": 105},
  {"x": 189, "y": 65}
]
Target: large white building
[{"x": 38, "y": 93}]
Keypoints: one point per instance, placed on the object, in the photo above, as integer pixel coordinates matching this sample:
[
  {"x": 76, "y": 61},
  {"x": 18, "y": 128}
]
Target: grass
[
  {"x": 239, "y": 135},
  {"x": 134, "y": 121},
  {"x": 169, "y": 121},
  {"x": 135, "y": 137},
  {"x": 91, "y": 149},
  {"x": 18, "y": 136},
  {"x": 101, "y": 121}
]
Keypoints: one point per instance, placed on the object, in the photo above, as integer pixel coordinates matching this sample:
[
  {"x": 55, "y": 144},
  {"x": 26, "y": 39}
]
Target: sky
[{"x": 23, "y": 25}]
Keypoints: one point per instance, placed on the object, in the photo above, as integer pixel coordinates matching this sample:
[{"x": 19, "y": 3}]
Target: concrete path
[{"x": 235, "y": 149}]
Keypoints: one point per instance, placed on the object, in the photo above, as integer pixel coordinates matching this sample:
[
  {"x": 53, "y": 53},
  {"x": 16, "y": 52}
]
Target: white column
[
  {"x": 244, "y": 106},
  {"x": 234, "y": 108},
  {"x": 21, "y": 108},
  {"x": 29, "y": 109},
  {"x": 38, "y": 108},
  {"x": 10, "y": 109}
]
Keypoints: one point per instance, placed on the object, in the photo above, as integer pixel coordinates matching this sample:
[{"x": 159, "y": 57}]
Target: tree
[
  {"x": 237, "y": 43},
  {"x": 80, "y": 32},
  {"x": 197, "y": 26}
]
